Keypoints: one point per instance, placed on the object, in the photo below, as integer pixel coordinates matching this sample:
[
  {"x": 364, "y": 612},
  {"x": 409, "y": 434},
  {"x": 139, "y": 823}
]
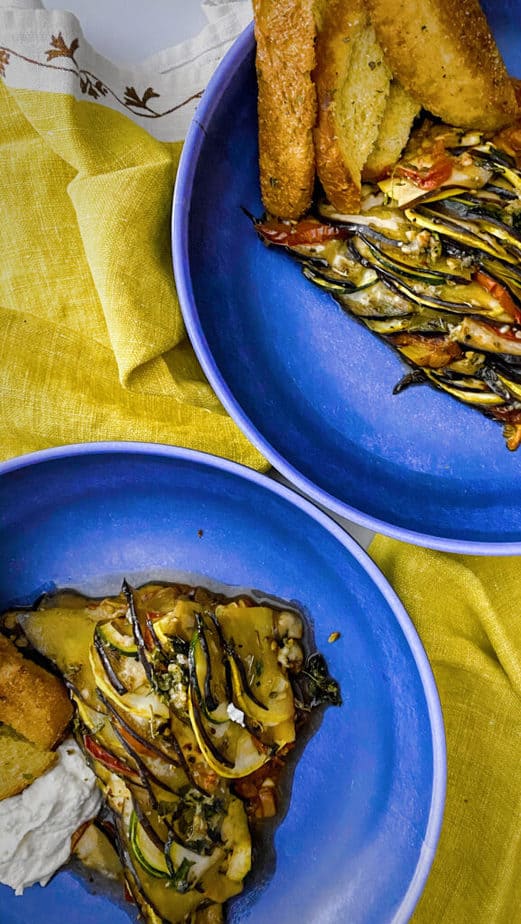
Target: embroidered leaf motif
[
  {"x": 139, "y": 102},
  {"x": 92, "y": 86},
  {"x": 4, "y": 61},
  {"x": 148, "y": 94},
  {"x": 60, "y": 49},
  {"x": 131, "y": 96}
]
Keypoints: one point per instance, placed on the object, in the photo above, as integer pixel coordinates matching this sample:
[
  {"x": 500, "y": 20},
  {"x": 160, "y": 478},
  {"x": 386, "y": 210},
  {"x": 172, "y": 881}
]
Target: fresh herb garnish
[
  {"x": 321, "y": 687},
  {"x": 179, "y": 877}
]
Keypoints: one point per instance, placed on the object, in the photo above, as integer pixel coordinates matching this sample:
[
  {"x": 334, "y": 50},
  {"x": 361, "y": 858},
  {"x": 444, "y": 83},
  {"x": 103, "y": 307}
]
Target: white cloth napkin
[{"x": 47, "y": 50}]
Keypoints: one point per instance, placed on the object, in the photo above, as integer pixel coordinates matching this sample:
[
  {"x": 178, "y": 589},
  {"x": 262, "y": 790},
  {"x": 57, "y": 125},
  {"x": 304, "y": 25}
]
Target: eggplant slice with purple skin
[{"x": 441, "y": 257}]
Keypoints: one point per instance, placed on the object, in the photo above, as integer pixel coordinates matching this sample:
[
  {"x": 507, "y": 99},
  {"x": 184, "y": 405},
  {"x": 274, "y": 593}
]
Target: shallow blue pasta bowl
[
  {"x": 310, "y": 387},
  {"x": 362, "y": 824}
]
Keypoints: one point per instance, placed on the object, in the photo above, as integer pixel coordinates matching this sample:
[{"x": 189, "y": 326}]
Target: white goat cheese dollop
[{"x": 36, "y": 825}]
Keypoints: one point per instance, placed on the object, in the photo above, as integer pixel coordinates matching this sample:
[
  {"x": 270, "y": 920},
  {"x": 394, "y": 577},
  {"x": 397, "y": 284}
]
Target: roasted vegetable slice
[
  {"x": 64, "y": 636},
  {"x": 260, "y": 684},
  {"x": 209, "y": 671},
  {"x": 228, "y": 748},
  {"x": 444, "y": 251},
  {"x": 142, "y": 702},
  {"x": 118, "y": 635}
]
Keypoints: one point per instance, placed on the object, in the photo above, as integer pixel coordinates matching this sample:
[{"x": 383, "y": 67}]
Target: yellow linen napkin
[
  {"x": 92, "y": 341},
  {"x": 467, "y": 611}
]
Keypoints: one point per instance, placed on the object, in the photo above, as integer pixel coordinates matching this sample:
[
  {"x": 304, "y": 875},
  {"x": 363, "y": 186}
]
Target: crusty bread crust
[
  {"x": 285, "y": 57},
  {"x": 352, "y": 83},
  {"x": 509, "y": 139},
  {"x": 443, "y": 53},
  {"x": 393, "y": 134},
  {"x": 32, "y": 701}
]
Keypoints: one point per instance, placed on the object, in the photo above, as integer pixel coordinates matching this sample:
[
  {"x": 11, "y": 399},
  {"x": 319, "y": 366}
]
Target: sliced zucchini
[
  {"x": 339, "y": 283},
  {"x": 104, "y": 656},
  {"x": 388, "y": 325},
  {"x": 146, "y": 657},
  {"x": 473, "y": 333},
  {"x": 157, "y": 903},
  {"x": 467, "y": 390},
  {"x": 208, "y": 667},
  {"x": 142, "y": 704},
  {"x": 260, "y": 684},
  {"x": 370, "y": 250},
  {"x": 454, "y": 230},
  {"x": 182, "y": 867},
  {"x": 376, "y": 302},
  {"x": 402, "y": 191},
  {"x": 201, "y": 775},
  {"x": 113, "y": 635},
  {"x": 180, "y": 621},
  {"x": 501, "y": 163},
  {"x": 476, "y": 300},
  {"x": 470, "y": 298},
  {"x": 513, "y": 387},
  {"x": 186, "y": 866},
  {"x": 147, "y": 853},
  {"x": 228, "y": 748}
]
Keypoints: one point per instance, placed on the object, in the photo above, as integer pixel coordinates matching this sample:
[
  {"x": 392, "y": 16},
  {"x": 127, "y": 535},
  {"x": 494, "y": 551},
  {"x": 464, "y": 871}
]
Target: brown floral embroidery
[
  {"x": 132, "y": 98},
  {"x": 4, "y": 61},
  {"x": 90, "y": 84},
  {"x": 59, "y": 49}
]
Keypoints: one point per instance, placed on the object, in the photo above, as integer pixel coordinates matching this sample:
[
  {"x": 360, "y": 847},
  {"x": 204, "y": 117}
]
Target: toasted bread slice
[
  {"x": 285, "y": 57},
  {"x": 395, "y": 128},
  {"x": 353, "y": 82},
  {"x": 33, "y": 702},
  {"x": 443, "y": 53},
  {"x": 21, "y": 762},
  {"x": 509, "y": 139}
]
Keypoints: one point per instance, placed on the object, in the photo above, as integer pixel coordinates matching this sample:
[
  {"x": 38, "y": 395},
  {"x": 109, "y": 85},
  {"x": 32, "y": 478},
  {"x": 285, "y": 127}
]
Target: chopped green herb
[
  {"x": 322, "y": 688},
  {"x": 179, "y": 879}
]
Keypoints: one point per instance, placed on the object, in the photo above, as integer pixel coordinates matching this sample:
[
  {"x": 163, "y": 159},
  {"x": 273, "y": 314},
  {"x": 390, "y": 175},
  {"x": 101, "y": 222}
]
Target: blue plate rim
[
  {"x": 439, "y": 752},
  {"x": 180, "y": 254}
]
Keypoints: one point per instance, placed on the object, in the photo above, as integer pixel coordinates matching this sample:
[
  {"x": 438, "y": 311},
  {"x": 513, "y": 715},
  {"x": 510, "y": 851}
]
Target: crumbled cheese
[
  {"x": 236, "y": 715},
  {"x": 178, "y": 688},
  {"x": 291, "y": 655}
]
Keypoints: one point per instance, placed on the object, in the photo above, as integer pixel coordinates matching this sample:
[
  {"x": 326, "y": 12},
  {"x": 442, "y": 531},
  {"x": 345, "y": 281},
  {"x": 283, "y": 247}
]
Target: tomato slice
[
  {"x": 105, "y": 757},
  {"x": 307, "y": 231},
  {"x": 430, "y": 176},
  {"x": 499, "y": 292}
]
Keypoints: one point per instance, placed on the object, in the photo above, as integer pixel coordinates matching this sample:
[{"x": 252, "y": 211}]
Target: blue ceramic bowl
[
  {"x": 367, "y": 798},
  {"x": 310, "y": 387}
]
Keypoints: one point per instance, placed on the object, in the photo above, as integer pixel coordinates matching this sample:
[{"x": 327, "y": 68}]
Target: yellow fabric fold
[
  {"x": 92, "y": 338},
  {"x": 467, "y": 611}
]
